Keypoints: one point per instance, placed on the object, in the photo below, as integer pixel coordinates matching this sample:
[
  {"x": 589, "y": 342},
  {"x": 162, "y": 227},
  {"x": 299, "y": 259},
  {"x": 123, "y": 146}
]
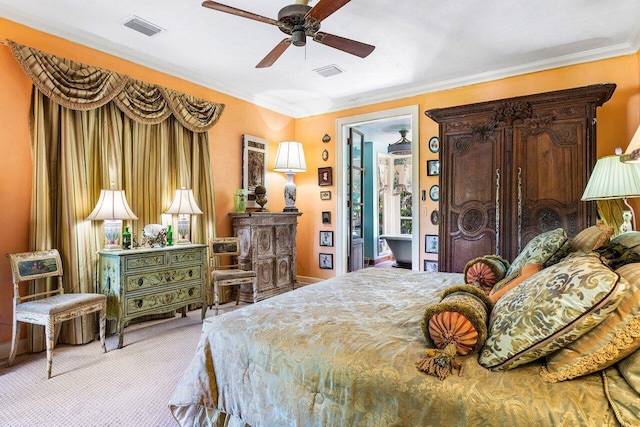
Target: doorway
[{"x": 364, "y": 123}]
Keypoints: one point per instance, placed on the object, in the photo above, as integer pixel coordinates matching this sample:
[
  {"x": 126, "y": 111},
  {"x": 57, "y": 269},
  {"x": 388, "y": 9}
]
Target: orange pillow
[{"x": 525, "y": 272}]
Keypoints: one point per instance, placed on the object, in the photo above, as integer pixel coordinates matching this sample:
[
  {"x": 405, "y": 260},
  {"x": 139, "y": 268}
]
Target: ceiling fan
[{"x": 300, "y": 21}]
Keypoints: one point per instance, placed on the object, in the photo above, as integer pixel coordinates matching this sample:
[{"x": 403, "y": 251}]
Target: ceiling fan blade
[
  {"x": 325, "y": 8},
  {"x": 274, "y": 54},
  {"x": 238, "y": 12},
  {"x": 346, "y": 45}
]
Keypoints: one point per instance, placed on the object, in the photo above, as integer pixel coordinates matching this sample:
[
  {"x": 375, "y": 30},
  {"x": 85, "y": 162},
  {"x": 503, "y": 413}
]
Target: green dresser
[{"x": 140, "y": 282}]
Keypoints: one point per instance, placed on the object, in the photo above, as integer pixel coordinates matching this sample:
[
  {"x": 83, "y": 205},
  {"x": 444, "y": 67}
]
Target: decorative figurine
[{"x": 261, "y": 197}]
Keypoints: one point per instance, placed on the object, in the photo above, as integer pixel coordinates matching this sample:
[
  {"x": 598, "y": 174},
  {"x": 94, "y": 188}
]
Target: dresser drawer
[
  {"x": 143, "y": 261},
  {"x": 165, "y": 298},
  {"x": 193, "y": 256},
  {"x": 137, "y": 282}
]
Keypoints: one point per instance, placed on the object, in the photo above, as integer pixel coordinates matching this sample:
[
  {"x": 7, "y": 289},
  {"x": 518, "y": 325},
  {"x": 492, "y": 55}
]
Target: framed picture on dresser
[{"x": 254, "y": 166}]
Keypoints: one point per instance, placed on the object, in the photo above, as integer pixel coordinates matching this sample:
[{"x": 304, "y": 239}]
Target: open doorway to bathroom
[{"x": 390, "y": 201}]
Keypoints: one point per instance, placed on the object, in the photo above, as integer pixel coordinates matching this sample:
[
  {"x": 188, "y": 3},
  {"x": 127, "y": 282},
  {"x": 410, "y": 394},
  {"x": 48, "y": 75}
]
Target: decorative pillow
[
  {"x": 565, "y": 250},
  {"x": 618, "y": 255},
  {"x": 612, "y": 340},
  {"x": 592, "y": 237},
  {"x": 460, "y": 318},
  {"x": 512, "y": 281},
  {"x": 486, "y": 271},
  {"x": 539, "y": 249},
  {"x": 630, "y": 239},
  {"x": 550, "y": 310}
]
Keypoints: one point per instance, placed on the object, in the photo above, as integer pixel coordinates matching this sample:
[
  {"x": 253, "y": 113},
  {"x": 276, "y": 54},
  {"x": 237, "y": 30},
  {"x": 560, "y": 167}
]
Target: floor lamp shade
[
  {"x": 290, "y": 159},
  {"x": 613, "y": 179},
  {"x": 183, "y": 205},
  {"x": 112, "y": 208}
]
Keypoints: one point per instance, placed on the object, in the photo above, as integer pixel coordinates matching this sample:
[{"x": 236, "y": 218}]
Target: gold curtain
[{"x": 147, "y": 140}]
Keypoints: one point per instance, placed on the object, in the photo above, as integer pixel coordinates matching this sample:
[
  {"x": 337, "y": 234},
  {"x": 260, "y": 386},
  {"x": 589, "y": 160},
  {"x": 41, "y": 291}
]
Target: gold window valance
[{"x": 82, "y": 87}]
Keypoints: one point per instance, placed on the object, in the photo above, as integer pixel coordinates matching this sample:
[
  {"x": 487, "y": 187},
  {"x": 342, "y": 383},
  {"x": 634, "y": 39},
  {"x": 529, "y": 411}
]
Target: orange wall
[{"x": 617, "y": 121}]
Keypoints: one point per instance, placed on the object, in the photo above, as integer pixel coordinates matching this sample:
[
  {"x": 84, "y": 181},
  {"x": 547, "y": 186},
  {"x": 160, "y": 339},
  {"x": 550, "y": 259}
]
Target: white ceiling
[{"x": 421, "y": 45}]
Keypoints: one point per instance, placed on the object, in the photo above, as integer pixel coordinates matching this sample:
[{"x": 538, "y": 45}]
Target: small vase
[{"x": 240, "y": 201}]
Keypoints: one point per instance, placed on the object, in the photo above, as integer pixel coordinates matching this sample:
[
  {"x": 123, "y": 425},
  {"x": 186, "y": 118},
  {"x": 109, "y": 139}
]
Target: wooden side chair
[
  {"x": 229, "y": 275},
  {"x": 50, "y": 307}
]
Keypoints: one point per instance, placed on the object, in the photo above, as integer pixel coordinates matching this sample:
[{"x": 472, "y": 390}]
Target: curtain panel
[{"x": 93, "y": 129}]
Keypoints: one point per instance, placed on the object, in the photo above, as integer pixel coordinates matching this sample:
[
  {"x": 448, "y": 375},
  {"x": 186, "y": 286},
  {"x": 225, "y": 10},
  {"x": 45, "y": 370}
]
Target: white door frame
[{"x": 342, "y": 240}]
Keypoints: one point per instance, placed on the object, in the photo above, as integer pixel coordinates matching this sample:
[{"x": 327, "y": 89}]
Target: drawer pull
[
  {"x": 167, "y": 277},
  {"x": 191, "y": 291},
  {"x": 140, "y": 281},
  {"x": 190, "y": 273},
  {"x": 139, "y": 303}
]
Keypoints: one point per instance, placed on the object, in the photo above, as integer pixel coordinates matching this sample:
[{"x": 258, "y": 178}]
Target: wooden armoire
[{"x": 513, "y": 168}]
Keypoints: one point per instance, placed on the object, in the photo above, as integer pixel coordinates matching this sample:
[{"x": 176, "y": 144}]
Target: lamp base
[
  {"x": 112, "y": 247},
  {"x": 290, "y": 209},
  {"x": 183, "y": 242}
]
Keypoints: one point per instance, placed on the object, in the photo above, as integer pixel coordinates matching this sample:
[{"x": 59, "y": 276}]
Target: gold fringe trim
[{"x": 623, "y": 339}]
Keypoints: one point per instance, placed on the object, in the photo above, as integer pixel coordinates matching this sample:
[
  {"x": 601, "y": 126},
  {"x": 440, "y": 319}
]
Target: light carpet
[{"x": 123, "y": 387}]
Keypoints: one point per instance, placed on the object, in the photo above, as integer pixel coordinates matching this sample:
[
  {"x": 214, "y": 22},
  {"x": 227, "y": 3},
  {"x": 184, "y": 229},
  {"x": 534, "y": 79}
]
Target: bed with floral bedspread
[{"x": 343, "y": 352}]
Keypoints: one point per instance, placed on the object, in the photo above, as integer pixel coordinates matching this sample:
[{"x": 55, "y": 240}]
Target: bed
[{"x": 343, "y": 352}]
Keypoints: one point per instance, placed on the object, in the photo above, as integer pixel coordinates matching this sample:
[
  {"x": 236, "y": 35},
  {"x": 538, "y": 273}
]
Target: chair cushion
[
  {"x": 60, "y": 303},
  {"x": 220, "y": 275}
]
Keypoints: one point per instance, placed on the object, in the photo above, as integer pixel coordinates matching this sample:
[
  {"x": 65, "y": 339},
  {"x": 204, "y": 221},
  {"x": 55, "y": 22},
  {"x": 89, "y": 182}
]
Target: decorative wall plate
[
  {"x": 434, "y": 193},
  {"x": 434, "y": 144}
]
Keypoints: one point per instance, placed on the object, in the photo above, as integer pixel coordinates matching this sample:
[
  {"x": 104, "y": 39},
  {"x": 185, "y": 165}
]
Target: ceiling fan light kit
[{"x": 300, "y": 21}]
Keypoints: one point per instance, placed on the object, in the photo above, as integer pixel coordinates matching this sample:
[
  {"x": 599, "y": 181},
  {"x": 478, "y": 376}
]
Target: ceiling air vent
[
  {"x": 142, "y": 26},
  {"x": 329, "y": 70}
]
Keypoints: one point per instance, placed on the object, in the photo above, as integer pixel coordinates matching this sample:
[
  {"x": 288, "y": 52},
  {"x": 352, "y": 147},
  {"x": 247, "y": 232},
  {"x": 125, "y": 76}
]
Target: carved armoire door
[
  {"x": 470, "y": 179},
  {"x": 513, "y": 168}
]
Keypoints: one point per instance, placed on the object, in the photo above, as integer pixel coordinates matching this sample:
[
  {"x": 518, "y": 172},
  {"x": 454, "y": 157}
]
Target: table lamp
[
  {"x": 184, "y": 205},
  {"x": 613, "y": 179},
  {"x": 290, "y": 159},
  {"x": 112, "y": 207}
]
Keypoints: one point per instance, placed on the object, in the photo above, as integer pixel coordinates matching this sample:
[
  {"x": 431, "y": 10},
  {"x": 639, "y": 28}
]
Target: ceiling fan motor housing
[{"x": 294, "y": 23}]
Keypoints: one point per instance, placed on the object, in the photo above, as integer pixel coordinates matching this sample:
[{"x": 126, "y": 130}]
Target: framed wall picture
[
  {"x": 434, "y": 144},
  {"x": 326, "y": 217},
  {"x": 326, "y": 261},
  {"x": 325, "y": 195},
  {"x": 254, "y": 166},
  {"x": 431, "y": 243},
  {"x": 433, "y": 167},
  {"x": 434, "y": 193},
  {"x": 325, "y": 176},
  {"x": 430, "y": 265},
  {"x": 326, "y": 238}
]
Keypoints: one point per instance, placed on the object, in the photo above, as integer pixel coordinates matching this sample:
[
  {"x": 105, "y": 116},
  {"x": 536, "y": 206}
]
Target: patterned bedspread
[{"x": 342, "y": 352}]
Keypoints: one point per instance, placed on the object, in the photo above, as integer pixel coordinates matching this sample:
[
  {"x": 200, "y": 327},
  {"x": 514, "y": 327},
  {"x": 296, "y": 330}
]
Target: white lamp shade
[
  {"x": 632, "y": 154},
  {"x": 612, "y": 179},
  {"x": 112, "y": 205},
  {"x": 183, "y": 203},
  {"x": 290, "y": 157}
]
